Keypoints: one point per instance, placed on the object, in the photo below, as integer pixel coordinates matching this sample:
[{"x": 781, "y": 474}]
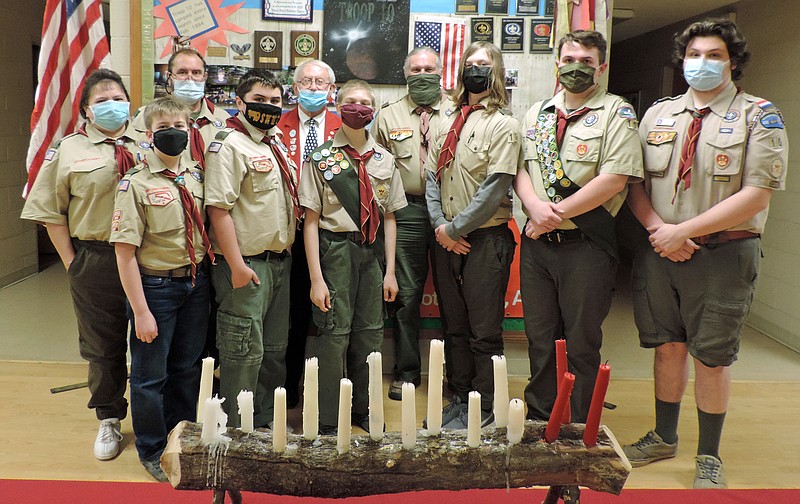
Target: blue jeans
[{"x": 165, "y": 374}]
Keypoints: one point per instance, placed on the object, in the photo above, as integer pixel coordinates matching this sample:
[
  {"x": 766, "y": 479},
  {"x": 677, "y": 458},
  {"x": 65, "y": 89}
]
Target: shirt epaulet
[{"x": 222, "y": 135}]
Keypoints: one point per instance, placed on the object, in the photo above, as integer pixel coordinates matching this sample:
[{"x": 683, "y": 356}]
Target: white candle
[
  {"x": 345, "y": 404},
  {"x": 516, "y": 421},
  {"x": 500, "y": 390},
  {"x": 311, "y": 399},
  {"x": 409, "y": 417},
  {"x": 215, "y": 421},
  {"x": 245, "y": 402},
  {"x": 279, "y": 421},
  {"x": 474, "y": 420},
  {"x": 435, "y": 376},
  {"x": 206, "y": 386},
  {"x": 375, "y": 362}
]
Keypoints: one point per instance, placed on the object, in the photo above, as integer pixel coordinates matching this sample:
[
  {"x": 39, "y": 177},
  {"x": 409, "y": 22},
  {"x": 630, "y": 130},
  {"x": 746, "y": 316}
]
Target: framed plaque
[
  {"x": 287, "y": 10},
  {"x": 482, "y": 29},
  {"x": 269, "y": 50},
  {"x": 305, "y": 46},
  {"x": 527, "y": 7},
  {"x": 512, "y": 35},
  {"x": 499, "y": 7},
  {"x": 466, "y": 6},
  {"x": 541, "y": 29},
  {"x": 549, "y": 7}
]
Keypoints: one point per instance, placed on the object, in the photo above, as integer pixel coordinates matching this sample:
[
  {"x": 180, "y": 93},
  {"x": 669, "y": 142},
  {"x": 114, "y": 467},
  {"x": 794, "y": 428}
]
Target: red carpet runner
[{"x": 79, "y": 492}]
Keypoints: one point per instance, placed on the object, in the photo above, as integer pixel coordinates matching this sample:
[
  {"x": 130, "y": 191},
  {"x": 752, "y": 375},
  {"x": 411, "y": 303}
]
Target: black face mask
[
  {"x": 171, "y": 141},
  {"x": 262, "y": 115},
  {"x": 476, "y": 78}
]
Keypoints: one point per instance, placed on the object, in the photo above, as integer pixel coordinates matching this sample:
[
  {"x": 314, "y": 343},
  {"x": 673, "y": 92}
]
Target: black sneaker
[
  {"x": 154, "y": 468},
  {"x": 328, "y": 430},
  {"x": 360, "y": 420}
]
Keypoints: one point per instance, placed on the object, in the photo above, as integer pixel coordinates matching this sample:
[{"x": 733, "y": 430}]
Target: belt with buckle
[
  {"x": 416, "y": 198},
  {"x": 563, "y": 236},
  {"x": 269, "y": 255},
  {"x": 724, "y": 237},
  {"x": 182, "y": 272}
]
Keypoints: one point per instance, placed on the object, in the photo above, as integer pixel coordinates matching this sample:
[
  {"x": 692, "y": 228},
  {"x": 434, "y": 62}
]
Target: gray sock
[
  {"x": 710, "y": 432},
  {"x": 667, "y": 420}
]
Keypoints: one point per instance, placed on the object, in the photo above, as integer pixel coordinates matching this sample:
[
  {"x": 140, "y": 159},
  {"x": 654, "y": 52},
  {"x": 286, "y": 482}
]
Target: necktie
[
  {"x": 451, "y": 141},
  {"x": 564, "y": 120},
  {"x": 197, "y": 145},
  {"x": 193, "y": 218},
  {"x": 689, "y": 148},
  {"x": 122, "y": 156},
  {"x": 311, "y": 138},
  {"x": 286, "y": 175},
  {"x": 424, "y": 136},
  {"x": 368, "y": 212}
]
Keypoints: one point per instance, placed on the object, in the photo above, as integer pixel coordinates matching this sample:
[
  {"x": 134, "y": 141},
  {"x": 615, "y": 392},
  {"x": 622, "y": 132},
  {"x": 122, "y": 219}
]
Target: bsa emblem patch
[
  {"x": 776, "y": 167},
  {"x": 123, "y": 186},
  {"x": 732, "y": 116},
  {"x": 382, "y": 190},
  {"x": 305, "y": 45},
  {"x": 626, "y": 112},
  {"x": 400, "y": 134},
  {"x": 590, "y": 120},
  {"x": 723, "y": 160},
  {"x": 161, "y": 196},
  {"x": 263, "y": 165},
  {"x": 214, "y": 147},
  {"x": 582, "y": 149},
  {"x": 660, "y": 137}
]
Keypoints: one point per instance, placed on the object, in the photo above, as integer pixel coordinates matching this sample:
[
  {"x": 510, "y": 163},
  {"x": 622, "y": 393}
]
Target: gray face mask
[{"x": 576, "y": 77}]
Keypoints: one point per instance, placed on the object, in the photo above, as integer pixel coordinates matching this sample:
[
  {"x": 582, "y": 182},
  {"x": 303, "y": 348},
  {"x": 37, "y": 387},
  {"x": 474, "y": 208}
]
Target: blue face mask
[
  {"x": 110, "y": 115},
  {"x": 703, "y": 74},
  {"x": 313, "y": 100},
  {"x": 188, "y": 91}
]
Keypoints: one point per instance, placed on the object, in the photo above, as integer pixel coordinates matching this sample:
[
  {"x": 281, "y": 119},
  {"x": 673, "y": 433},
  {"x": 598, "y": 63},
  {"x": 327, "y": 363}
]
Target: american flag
[
  {"x": 447, "y": 38},
  {"x": 73, "y": 46}
]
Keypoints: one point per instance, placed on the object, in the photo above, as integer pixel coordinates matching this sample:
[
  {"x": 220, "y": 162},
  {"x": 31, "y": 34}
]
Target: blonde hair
[
  {"x": 166, "y": 106},
  {"x": 498, "y": 96},
  {"x": 353, "y": 85}
]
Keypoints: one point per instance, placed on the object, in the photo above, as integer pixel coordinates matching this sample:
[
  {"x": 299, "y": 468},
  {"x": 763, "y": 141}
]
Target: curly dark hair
[
  {"x": 587, "y": 39},
  {"x": 256, "y": 76},
  {"x": 97, "y": 77},
  {"x": 722, "y": 28}
]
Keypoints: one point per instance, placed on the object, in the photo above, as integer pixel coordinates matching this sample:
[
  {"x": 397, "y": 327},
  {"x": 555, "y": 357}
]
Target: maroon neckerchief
[
  {"x": 122, "y": 156},
  {"x": 564, "y": 119},
  {"x": 368, "y": 212},
  {"x": 196, "y": 142},
  {"x": 689, "y": 148},
  {"x": 451, "y": 141}
]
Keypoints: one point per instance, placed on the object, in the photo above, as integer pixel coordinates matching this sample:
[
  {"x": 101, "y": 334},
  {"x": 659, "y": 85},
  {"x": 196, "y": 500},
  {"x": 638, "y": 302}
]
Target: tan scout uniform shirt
[
  {"x": 398, "y": 130},
  {"x": 317, "y": 195},
  {"x": 149, "y": 214},
  {"x": 208, "y": 132},
  {"x": 742, "y": 143},
  {"x": 603, "y": 140},
  {"x": 243, "y": 177},
  {"x": 489, "y": 143},
  {"x": 77, "y": 183}
]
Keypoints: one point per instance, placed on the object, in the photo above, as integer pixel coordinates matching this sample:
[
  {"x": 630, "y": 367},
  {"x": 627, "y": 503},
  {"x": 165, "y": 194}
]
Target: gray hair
[
  {"x": 299, "y": 70},
  {"x": 419, "y": 50}
]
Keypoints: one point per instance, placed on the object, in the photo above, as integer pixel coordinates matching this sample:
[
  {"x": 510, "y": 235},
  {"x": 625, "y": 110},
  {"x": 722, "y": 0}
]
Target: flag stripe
[{"x": 446, "y": 37}]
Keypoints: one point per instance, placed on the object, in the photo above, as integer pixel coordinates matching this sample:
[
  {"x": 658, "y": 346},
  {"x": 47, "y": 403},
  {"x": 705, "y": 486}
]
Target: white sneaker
[{"x": 106, "y": 444}]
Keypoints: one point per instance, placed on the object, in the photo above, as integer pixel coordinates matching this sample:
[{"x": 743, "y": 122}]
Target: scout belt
[{"x": 598, "y": 224}]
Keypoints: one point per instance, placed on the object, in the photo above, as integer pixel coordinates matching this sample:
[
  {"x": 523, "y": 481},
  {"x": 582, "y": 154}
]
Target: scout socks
[
  {"x": 667, "y": 420},
  {"x": 710, "y": 427}
]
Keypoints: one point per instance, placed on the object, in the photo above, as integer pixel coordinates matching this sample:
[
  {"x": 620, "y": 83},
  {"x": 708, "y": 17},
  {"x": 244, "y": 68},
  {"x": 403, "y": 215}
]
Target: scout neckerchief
[
  {"x": 424, "y": 113},
  {"x": 196, "y": 142},
  {"x": 122, "y": 156},
  {"x": 598, "y": 224},
  {"x": 368, "y": 214},
  {"x": 451, "y": 141},
  {"x": 192, "y": 218},
  {"x": 689, "y": 148}
]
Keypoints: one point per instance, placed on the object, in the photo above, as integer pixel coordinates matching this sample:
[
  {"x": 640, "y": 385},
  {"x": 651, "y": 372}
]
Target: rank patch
[
  {"x": 214, "y": 147},
  {"x": 123, "y": 185},
  {"x": 776, "y": 167},
  {"x": 582, "y": 149},
  {"x": 723, "y": 160},
  {"x": 382, "y": 190}
]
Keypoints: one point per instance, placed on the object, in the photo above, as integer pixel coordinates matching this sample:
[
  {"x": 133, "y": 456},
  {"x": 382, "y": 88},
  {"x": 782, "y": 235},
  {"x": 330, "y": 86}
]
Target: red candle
[
  {"x": 562, "y": 401},
  {"x": 596, "y": 409},
  {"x": 561, "y": 368}
]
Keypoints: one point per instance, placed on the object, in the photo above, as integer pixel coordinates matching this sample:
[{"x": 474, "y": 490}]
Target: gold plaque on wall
[
  {"x": 305, "y": 46},
  {"x": 268, "y": 50}
]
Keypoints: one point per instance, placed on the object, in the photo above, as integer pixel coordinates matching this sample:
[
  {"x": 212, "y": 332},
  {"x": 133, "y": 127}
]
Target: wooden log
[{"x": 444, "y": 462}]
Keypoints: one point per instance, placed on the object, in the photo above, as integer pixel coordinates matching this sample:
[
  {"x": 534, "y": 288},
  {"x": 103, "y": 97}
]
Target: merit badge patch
[
  {"x": 161, "y": 196},
  {"x": 660, "y": 137},
  {"x": 776, "y": 167},
  {"x": 626, "y": 112},
  {"x": 215, "y": 147},
  {"x": 327, "y": 174},
  {"x": 772, "y": 121},
  {"x": 582, "y": 149},
  {"x": 400, "y": 134},
  {"x": 345, "y": 164},
  {"x": 723, "y": 160},
  {"x": 590, "y": 119},
  {"x": 732, "y": 116},
  {"x": 123, "y": 185}
]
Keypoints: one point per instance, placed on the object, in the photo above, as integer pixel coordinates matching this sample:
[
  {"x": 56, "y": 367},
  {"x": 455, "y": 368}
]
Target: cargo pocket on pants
[
  {"x": 642, "y": 314},
  {"x": 233, "y": 336},
  {"x": 717, "y": 340},
  {"x": 324, "y": 320}
]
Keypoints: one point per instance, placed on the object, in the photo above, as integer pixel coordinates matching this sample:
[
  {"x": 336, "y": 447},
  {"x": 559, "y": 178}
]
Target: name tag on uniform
[
  {"x": 160, "y": 196},
  {"x": 660, "y": 137},
  {"x": 663, "y": 121},
  {"x": 722, "y": 178},
  {"x": 726, "y": 130},
  {"x": 400, "y": 134}
]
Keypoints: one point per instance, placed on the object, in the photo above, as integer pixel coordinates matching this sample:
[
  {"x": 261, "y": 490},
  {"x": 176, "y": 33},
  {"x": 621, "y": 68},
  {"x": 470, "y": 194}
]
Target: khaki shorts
[{"x": 702, "y": 302}]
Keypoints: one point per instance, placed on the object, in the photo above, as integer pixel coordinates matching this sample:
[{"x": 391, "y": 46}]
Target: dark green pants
[
  {"x": 353, "y": 327},
  {"x": 252, "y": 334}
]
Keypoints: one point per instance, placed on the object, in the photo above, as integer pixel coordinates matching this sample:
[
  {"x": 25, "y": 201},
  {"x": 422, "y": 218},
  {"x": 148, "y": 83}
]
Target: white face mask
[
  {"x": 703, "y": 74},
  {"x": 188, "y": 91}
]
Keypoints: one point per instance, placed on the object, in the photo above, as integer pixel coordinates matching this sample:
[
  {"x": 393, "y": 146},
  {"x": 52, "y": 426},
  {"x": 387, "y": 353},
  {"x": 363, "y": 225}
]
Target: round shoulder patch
[{"x": 144, "y": 145}]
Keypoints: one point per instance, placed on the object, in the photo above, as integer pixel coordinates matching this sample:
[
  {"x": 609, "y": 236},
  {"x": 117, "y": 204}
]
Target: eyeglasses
[
  {"x": 195, "y": 75},
  {"x": 307, "y": 82}
]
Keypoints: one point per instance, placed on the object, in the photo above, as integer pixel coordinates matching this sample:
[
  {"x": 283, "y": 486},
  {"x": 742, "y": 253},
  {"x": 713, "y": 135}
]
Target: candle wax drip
[{"x": 216, "y": 451}]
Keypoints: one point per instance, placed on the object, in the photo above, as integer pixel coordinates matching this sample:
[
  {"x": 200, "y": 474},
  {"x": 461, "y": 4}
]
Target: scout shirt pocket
[
  {"x": 658, "y": 151},
  {"x": 402, "y": 143},
  {"x": 264, "y": 173},
  {"x": 583, "y": 146},
  {"x": 474, "y": 156},
  {"x": 381, "y": 179},
  {"x": 724, "y": 156},
  {"x": 89, "y": 177},
  {"x": 163, "y": 210}
]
